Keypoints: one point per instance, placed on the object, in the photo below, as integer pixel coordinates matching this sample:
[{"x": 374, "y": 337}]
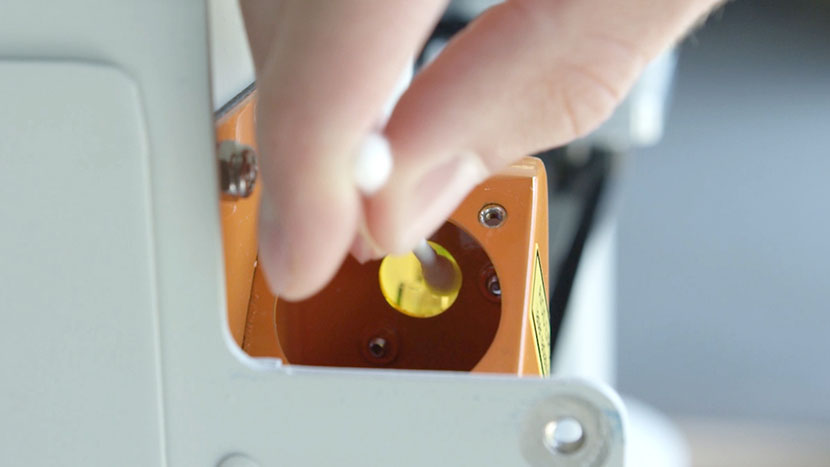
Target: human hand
[{"x": 525, "y": 76}]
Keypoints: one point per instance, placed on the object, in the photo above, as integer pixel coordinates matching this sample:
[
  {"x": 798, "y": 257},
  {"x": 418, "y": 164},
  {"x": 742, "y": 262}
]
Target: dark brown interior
[{"x": 350, "y": 324}]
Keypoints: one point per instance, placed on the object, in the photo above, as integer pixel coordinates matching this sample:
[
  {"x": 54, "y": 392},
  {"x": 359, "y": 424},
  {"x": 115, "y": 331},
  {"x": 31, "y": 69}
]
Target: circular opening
[
  {"x": 492, "y": 215},
  {"x": 336, "y": 326},
  {"x": 564, "y": 435},
  {"x": 403, "y": 284}
]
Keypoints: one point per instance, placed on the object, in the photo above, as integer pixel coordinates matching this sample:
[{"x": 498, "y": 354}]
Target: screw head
[
  {"x": 493, "y": 285},
  {"x": 377, "y": 347},
  {"x": 492, "y": 215},
  {"x": 237, "y": 169},
  {"x": 489, "y": 284},
  {"x": 563, "y": 436}
]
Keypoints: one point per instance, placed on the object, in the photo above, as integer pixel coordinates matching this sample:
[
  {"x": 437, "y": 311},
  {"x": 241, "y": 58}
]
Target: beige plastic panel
[{"x": 78, "y": 308}]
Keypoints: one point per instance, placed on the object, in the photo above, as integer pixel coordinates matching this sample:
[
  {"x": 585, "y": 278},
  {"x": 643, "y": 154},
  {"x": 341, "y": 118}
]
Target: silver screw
[
  {"x": 377, "y": 347},
  {"x": 493, "y": 285},
  {"x": 492, "y": 215},
  {"x": 564, "y": 436},
  {"x": 237, "y": 169}
]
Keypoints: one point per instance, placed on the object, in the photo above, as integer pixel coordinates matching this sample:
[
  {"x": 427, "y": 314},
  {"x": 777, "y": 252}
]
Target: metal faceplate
[{"x": 113, "y": 333}]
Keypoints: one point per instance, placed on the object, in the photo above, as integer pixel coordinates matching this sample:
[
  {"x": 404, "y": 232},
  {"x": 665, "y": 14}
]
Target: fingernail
[
  {"x": 436, "y": 195},
  {"x": 360, "y": 250},
  {"x": 364, "y": 248}
]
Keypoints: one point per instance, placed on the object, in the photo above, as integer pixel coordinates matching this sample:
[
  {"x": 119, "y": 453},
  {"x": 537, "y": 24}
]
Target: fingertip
[
  {"x": 364, "y": 248},
  {"x": 289, "y": 275},
  {"x": 273, "y": 256},
  {"x": 361, "y": 251},
  {"x": 304, "y": 241},
  {"x": 272, "y": 259},
  {"x": 410, "y": 208}
]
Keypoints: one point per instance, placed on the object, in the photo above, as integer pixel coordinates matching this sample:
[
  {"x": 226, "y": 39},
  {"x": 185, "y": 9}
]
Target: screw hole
[
  {"x": 492, "y": 215},
  {"x": 377, "y": 347}
]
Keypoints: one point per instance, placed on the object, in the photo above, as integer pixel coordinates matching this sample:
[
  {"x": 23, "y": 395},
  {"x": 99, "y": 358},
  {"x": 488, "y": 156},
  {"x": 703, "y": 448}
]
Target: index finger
[{"x": 324, "y": 71}]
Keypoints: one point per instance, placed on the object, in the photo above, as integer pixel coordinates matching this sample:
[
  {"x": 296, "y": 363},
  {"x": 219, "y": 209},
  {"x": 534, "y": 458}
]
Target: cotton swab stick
[{"x": 371, "y": 170}]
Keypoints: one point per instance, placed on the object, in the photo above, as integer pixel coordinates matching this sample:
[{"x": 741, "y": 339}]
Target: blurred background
[{"x": 723, "y": 274}]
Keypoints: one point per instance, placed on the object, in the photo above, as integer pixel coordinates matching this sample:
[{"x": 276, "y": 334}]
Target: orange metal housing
[
  {"x": 239, "y": 221},
  {"x": 479, "y": 332}
]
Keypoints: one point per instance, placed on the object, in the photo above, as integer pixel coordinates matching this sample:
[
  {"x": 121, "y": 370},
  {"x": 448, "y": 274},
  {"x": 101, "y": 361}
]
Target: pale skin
[{"x": 525, "y": 76}]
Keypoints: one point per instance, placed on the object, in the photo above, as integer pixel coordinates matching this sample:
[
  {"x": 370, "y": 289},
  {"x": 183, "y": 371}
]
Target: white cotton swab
[
  {"x": 372, "y": 167},
  {"x": 372, "y": 164},
  {"x": 439, "y": 273},
  {"x": 425, "y": 254}
]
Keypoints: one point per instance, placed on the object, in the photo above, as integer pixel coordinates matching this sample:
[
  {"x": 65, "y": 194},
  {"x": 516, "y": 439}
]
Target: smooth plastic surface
[{"x": 78, "y": 304}]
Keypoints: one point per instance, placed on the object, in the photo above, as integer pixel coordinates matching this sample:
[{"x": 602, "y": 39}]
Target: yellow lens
[{"x": 402, "y": 284}]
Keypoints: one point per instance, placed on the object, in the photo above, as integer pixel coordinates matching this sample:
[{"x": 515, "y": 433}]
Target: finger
[
  {"x": 374, "y": 163},
  {"x": 363, "y": 248},
  {"x": 324, "y": 71},
  {"x": 527, "y": 75}
]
